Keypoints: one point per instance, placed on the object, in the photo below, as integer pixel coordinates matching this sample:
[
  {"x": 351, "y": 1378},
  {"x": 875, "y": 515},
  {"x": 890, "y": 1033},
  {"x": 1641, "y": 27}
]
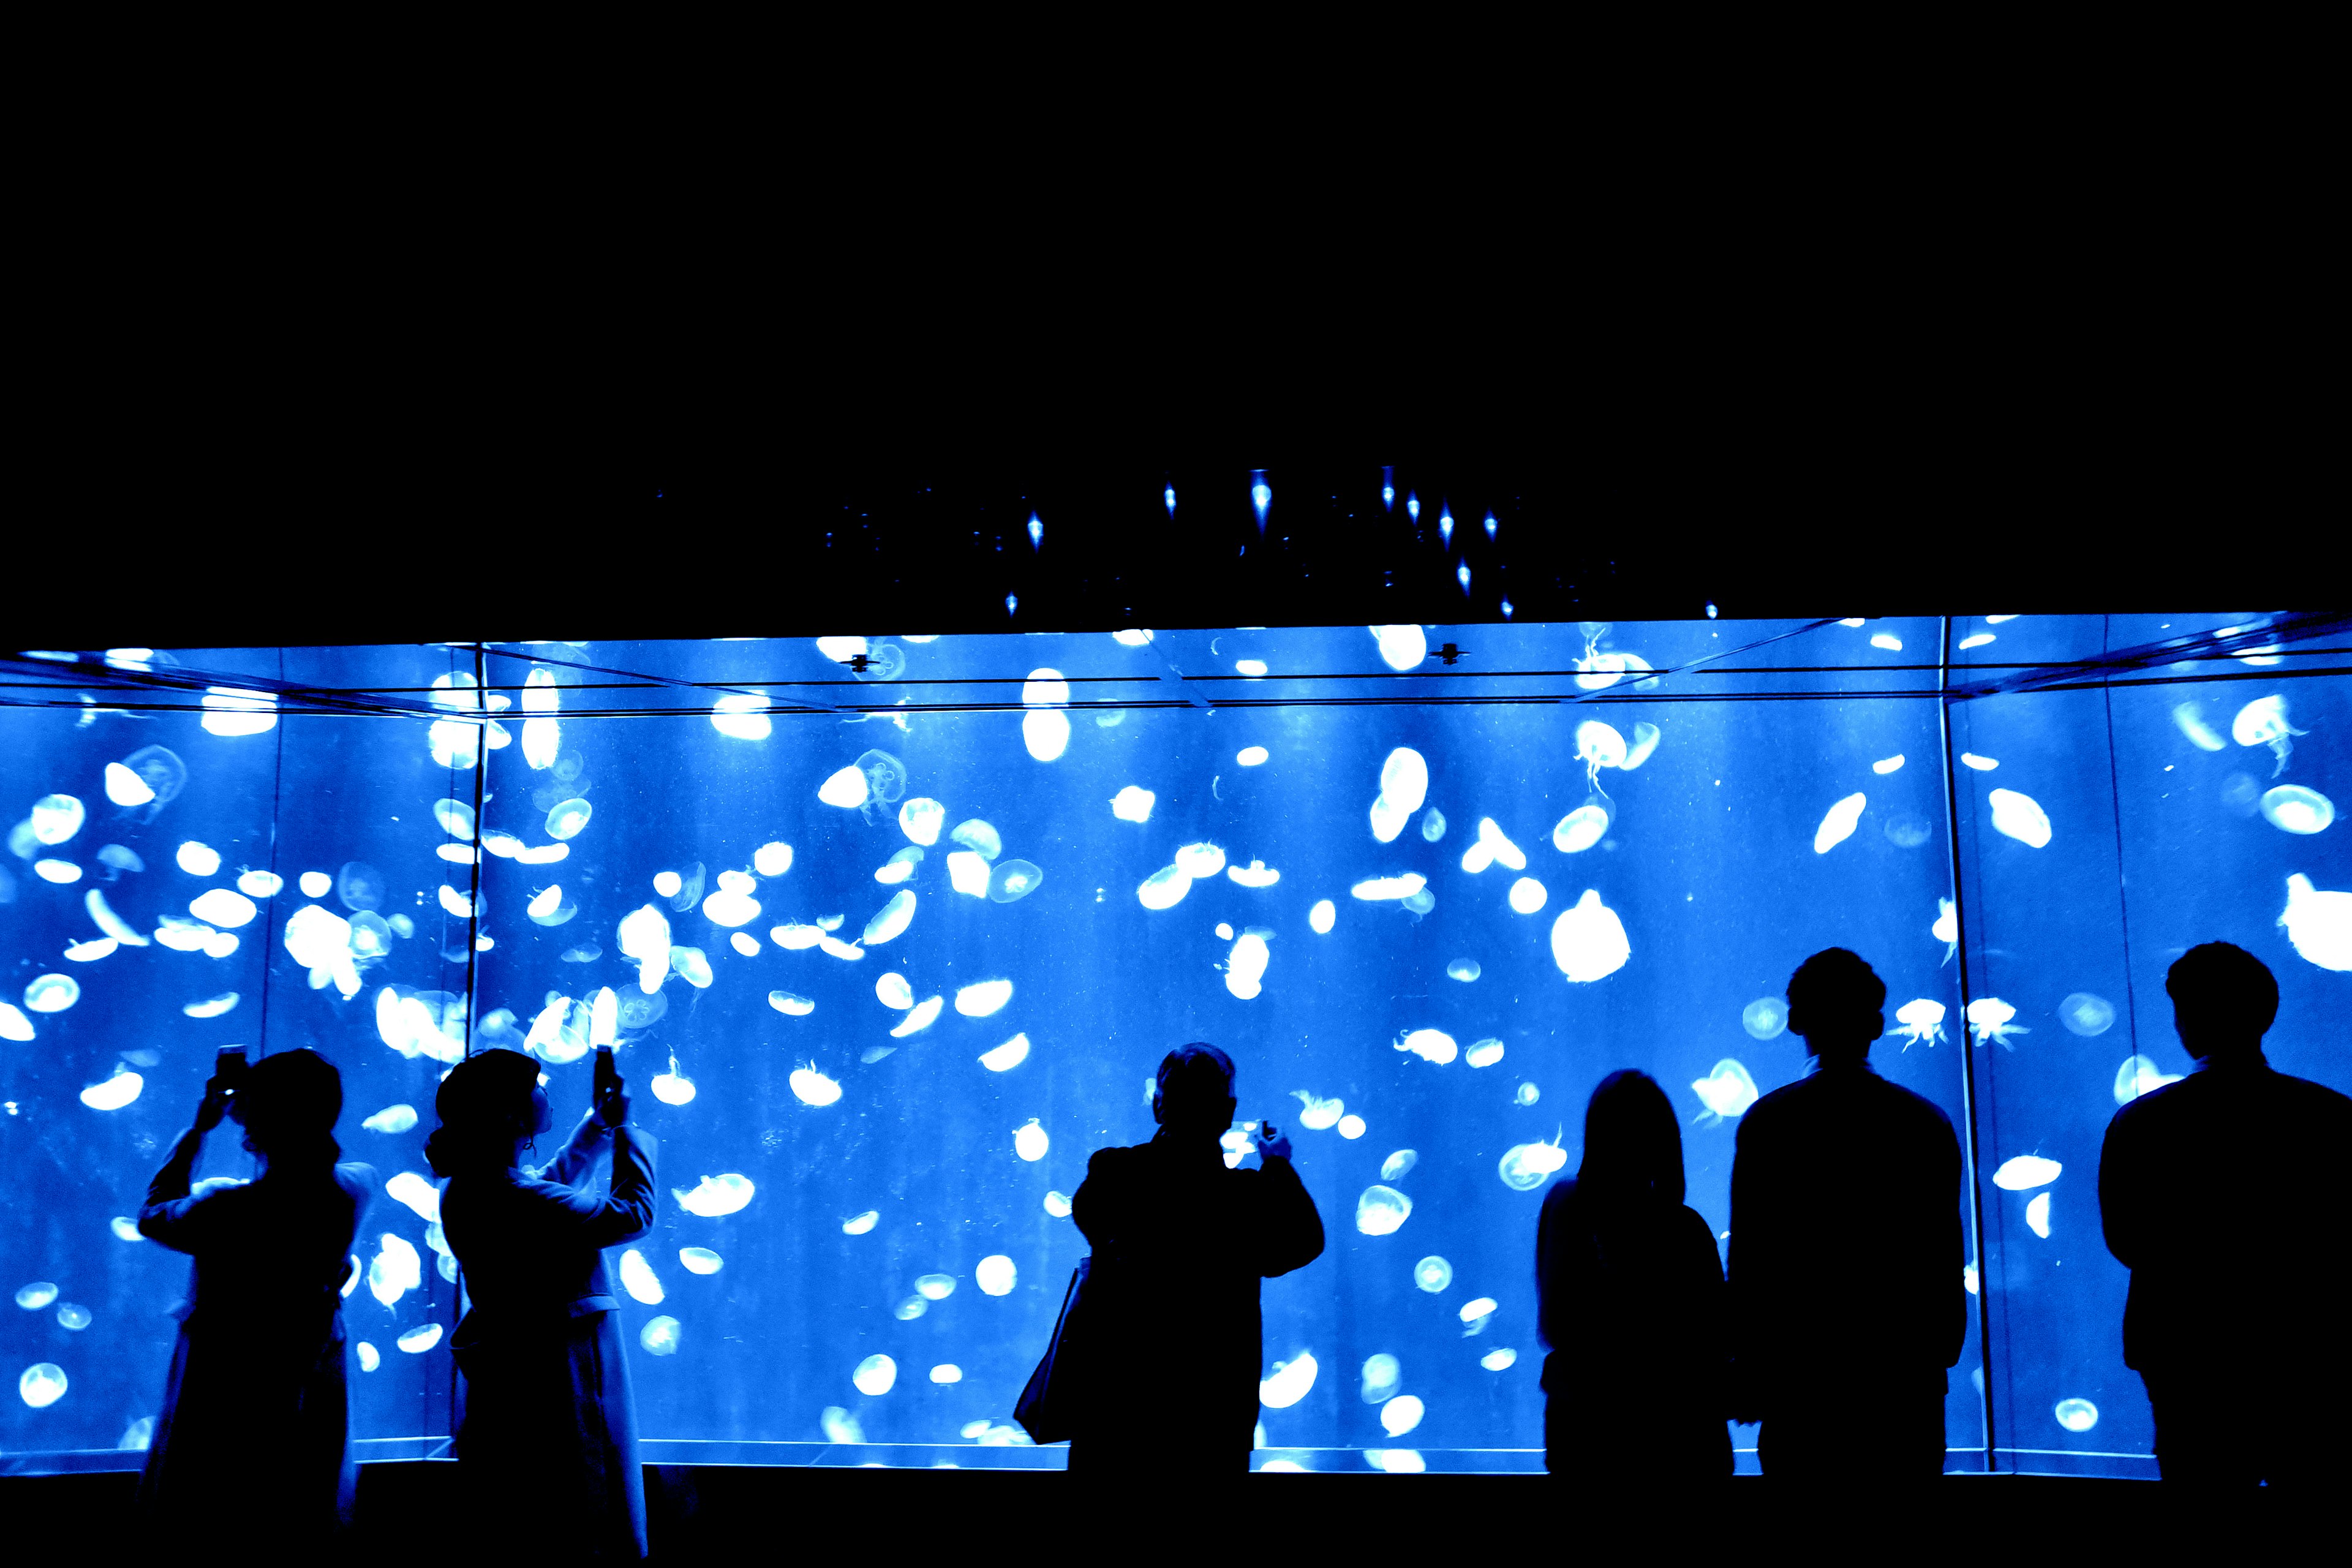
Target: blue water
[{"x": 1725, "y": 858}]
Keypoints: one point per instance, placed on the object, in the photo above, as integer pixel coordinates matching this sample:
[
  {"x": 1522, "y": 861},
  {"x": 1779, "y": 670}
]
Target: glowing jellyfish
[
  {"x": 1838, "y": 826},
  {"x": 935, "y": 1287},
  {"x": 1528, "y": 896},
  {"x": 369, "y": 1358},
  {"x": 1381, "y": 1377},
  {"x": 2318, "y": 924},
  {"x": 1988, "y": 1017},
  {"x": 453, "y": 745},
  {"x": 1599, "y": 744},
  {"x": 1919, "y": 1021},
  {"x": 1766, "y": 1018},
  {"x": 1433, "y": 1274},
  {"x": 1401, "y": 1415},
  {"x": 2263, "y": 722},
  {"x": 1430, "y": 1045},
  {"x": 1887, "y": 765},
  {"x": 417, "y": 1195},
  {"x": 1133, "y": 804},
  {"x": 1404, "y": 885},
  {"x": 1492, "y": 846},
  {"x": 738, "y": 715},
  {"x": 1256, "y": 874},
  {"x": 2294, "y": 809},
  {"x": 52, "y": 993},
  {"x": 692, "y": 965},
  {"x": 60, "y": 871},
  {"x": 92, "y": 951},
  {"x": 714, "y": 1197},
  {"x": 1433, "y": 825},
  {"x": 1008, "y": 1056},
  {"x": 2025, "y": 1172},
  {"x": 2138, "y": 1076},
  {"x": 1402, "y": 647},
  {"x": 1587, "y": 940},
  {"x": 1527, "y": 1095},
  {"x": 1907, "y": 830},
  {"x": 748, "y": 946},
  {"x": 1288, "y": 1382},
  {"x": 125, "y": 1228},
  {"x": 638, "y": 1279},
  {"x": 1057, "y": 1205},
  {"x": 1314, "y": 1114},
  {"x": 980, "y": 837},
  {"x": 42, "y": 1384},
  {"x": 125, "y": 788},
  {"x": 1011, "y": 880},
  {"x": 396, "y": 1269},
  {"x": 947, "y": 1372},
  {"x": 1981, "y": 764},
  {"x": 1500, "y": 1360},
  {"x": 858, "y": 1225},
  {"x": 984, "y": 998},
  {"x": 162, "y": 771},
  {"x": 891, "y": 919},
  {"x": 198, "y": 859},
  {"x": 846, "y": 788},
  {"x": 2076, "y": 1415},
  {"x": 1245, "y": 964},
  {"x": 699, "y": 1260},
  {"x": 1476, "y": 1314},
  {"x": 2192, "y": 724},
  {"x": 567, "y": 819},
  {"x": 1030, "y": 1141},
  {"x": 1045, "y": 733},
  {"x": 1380, "y": 1210},
  {"x": 1525, "y": 1167},
  {"x": 1728, "y": 1091},
  {"x": 222, "y": 908},
  {"x": 392, "y": 1118},
  {"x": 1404, "y": 779},
  {"x": 995, "y": 1275},
  {"x": 56, "y": 818},
  {"x": 2085, "y": 1014},
  {"x": 1886, "y": 640},
  {"x": 13, "y": 1024},
  {"x": 899, "y": 866},
  {"x": 1164, "y": 889},
  {"x": 840, "y": 1426},
  {"x": 1463, "y": 969},
  {"x": 1580, "y": 829},
  {"x": 2020, "y": 816},
  {"x": 1395, "y": 1167},
  {"x": 2037, "y": 1215},
  {"x": 892, "y": 991},
  {"x": 660, "y": 1335},
  {"x": 644, "y": 936},
  {"x": 123, "y": 859},
  {"x": 1484, "y": 1054},
  {"x": 1645, "y": 741},
  {"x": 314, "y": 884},
  {"x": 1322, "y": 917},
  {"x": 811, "y": 1087},
  {"x": 672, "y": 1088},
  {"x": 918, "y": 1017}
]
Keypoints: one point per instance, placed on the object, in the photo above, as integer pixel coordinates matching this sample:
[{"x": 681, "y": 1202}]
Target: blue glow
[
  {"x": 1037, "y": 531},
  {"x": 1012, "y": 604},
  {"x": 1710, "y": 610},
  {"x": 1413, "y": 507},
  {"x": 1260, "y": 496},
  {"x": 1507, "y": 609},
  {"x": 1388, "y": 487},
  {"x": 1445, "y": 528},
  {"x": 1490, "y": 525},
  {"x": 1463, "y": 572},
  {"x": 1168, "y": 495}
]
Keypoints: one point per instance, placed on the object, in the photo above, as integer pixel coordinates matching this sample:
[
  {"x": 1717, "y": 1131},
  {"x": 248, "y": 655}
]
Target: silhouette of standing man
[
  {"x": 1846, "y": 1250},
  {"x": 1180, "y": 1245},
  {"x": 2224, "y": 1194}
]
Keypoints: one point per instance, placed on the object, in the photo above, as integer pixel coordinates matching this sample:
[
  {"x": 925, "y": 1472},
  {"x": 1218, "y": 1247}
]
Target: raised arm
[
  {"x": 1289, "y": 1229},
  {"x": 576, "y": 1161},
  {"x": 170, "y": 1215}
]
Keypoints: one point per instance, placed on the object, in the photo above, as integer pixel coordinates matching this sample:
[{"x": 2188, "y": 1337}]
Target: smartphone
[
  {"x": 608, "y": 1077},
  {"x": 229, "y": 1068}
]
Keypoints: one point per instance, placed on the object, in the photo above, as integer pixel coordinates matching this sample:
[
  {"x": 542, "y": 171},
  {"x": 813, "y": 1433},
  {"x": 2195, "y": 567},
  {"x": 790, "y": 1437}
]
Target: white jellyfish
[
  {"x": 1528, "y": 896},
  {"x": 1401, "y": 1415},
  {"x": 57, "y": 817},
  {"x": 1525, "y": 1167},
  {"x": 1404, "y": 780},
  {"x": 1256, "y": 874},
  {"x": 638, "y": 1278},
  {"x": 858, "y": 1225},
  {"x": 1433, "y": 1046},
  {"x": 1030, "y": 1141},
  {"x": 1008, "y": 1056},
  {"x": 2318, "y": 924},
  {"x": 1133, "y": 803},
  {"x": 921, "y": 819},
  {"x": 52, "y": 993},
  {"x": 984, "y": 999},
  {"x": 1588, "y": 941},
  {"x": 1164, "y": 889},
  {"x": 920, "y": 1016},
  {"x": 2076, "y": 1415},
  {"x": 2138, "y": 1076},
  {"x": 715, "y": 1198},
  {"x": 891, "y": 919},
  {"x": 1766, "y": 1018},
  {"x": 1380, "y": 1210},
  {"x": 1728, "y": 1091},
  {"x": 1402, "y": 647},
  {"x": 2020, "y": 816},
  {"x": 1288, "y": 1382},
  {"x": 1382, "y": 1376},
  {"x": 1316, "y": 1114},
  {"x": 1600, "y": 746},
  {"x": 1838, "y": 826},
  {"x": 876, "y": 1375},
  {"x": 2086, "y": 1015},
  {"x": 995, "y": 1275},
  {"x": 811, "y": 1087},
  {"x": 2292, "y": 808},
  {"x": 2026, "y": 1171},
  {"x": 1918, "y": 1021},
  {"x": 2263, "y": 722},
  {"x": 2037, "y": 1215},
  {"x": 2192, "y": 724},
  {"x": 1433, "y": 1274},
  {"x": 1989, "y": 1017},
  {"x": 968, "y": 873},
  {"x": 1580, "y": 829},
  {"x": 1888, "y": 764},
  {"x": 1322, "y": 917}
]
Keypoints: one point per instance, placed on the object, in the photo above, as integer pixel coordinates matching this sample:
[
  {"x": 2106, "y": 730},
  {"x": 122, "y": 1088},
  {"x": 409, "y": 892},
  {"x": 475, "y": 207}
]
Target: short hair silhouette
[
  {"x": 1835, "y": 981},
  {"x": 1197, "y": 1075},
  {"x": 1633, "y": 1140},
  {"x": 484, "y": 1105},
  {"x": 2222, "y": 981},
  {"x": 288, "y": 1104}
]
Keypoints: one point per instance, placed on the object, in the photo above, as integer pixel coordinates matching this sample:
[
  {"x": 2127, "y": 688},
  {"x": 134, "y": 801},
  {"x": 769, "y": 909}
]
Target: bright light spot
[
  {"x": 741, "y": 716},
  {"x": 715, "y": 1198},
  {"x": 114, "y": 1093},
  {"x": 1321, "y": 918},
  {"x": 1132, "y": 805},
  {"x": 1030, "y": 1141},
  {"x": 2025, "y": 1172},
  {"x": 2037, "y": 1215},
  {"x": 1288, "y": 1383},
  {"x": 1251, "y": 756},
  {"x": 1888, "y": 641},
  {"x": 1887, "y": 765},
  {"x": 1728, "y": 1091},
  {"x": 1008, "y": 1056},
  {"x": 995, "y": 1275},
  {"x": 1527, "y": 895},
  {"x": 984, "y": 998},
  {"x": 638, "y": 1279},
  {"x": 1380, "y": 1211},
  {"x": 2076, "y": 1415},
  {"x": 203, "y": 861},
  {"x": 772, "y": 859},
  {"x": 1838, "y": 826},
  {"x": 1588, "y": 941},
  {"x": 2020, "y": 816}
]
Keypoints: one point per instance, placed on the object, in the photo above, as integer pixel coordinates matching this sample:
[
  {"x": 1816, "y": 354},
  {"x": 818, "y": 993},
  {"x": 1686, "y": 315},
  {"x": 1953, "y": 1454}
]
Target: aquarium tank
[{"x": 890, "y": 931}]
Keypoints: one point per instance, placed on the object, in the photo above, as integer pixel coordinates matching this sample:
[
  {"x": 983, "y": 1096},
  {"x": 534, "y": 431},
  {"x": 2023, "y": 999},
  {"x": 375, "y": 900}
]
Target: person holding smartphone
[
  {"x": 547, "y": 1438},
  {"x": 258, "y": 1373},
  {"x": 1180, "y": 1241}
]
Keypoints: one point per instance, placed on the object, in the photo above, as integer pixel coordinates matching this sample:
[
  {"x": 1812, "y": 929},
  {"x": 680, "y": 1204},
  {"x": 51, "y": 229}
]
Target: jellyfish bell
[
  {"x": 1766, "y": 1018},
  {"x": 1580, "y": 829},
  {"x": 1013, "y": 879},
  {"x": 979, "y": 838},
  {"x": 885, "y": 777},
  {"x": 2292, "y": 808},
  {"x": 360, "y": 886},
  {"x": 163, "y": 772},
  {"x": 1599, "y": 744},
  {"x": 2263, "y": 722}
]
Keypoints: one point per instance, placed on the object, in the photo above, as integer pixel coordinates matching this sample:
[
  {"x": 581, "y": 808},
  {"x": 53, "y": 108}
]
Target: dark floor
[{"x": 408, "y": 1513}]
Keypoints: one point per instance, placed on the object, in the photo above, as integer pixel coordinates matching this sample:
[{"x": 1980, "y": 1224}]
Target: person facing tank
[
  {"x": 2223, "y": 1193},
  {"x": 1181, "y": 1242},
  {"x": 1629, "y": 1293},
  {"x": 1847, "y": 1250},
  {"x": 259, "y": 1381},
  {"x": 547, "y": 1443}
]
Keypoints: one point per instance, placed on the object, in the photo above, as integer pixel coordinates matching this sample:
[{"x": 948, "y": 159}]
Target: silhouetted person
[
  {"x": 2224, "y": 1194},
  {"x": 1846, "y": 1250},
  {"x": 1629, "y": 1298},
  {"x": 547, "y": 1445},
  {"x": 254, "y": 1426},
  {"x": 1171, "y": 1297}
]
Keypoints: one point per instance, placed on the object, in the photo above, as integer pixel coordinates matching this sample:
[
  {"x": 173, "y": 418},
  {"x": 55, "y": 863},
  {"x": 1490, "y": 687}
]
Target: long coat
[
  {"x": 1172, "y": 1350},
  {"x": 259, "y": 1374},
  {"x": 547, "y": 1442}
]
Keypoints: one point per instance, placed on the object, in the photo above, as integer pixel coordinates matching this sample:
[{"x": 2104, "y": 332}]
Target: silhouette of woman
[
  {"x": 1631, "y": 1303},
  {"x": 1179, "y": 1244},
  {"x": 547, "y": 1412},
  {"x": 258, "y": 1373}
]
